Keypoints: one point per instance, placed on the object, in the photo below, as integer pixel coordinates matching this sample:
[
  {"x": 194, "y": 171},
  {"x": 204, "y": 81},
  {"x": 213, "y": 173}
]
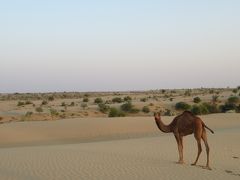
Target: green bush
[
  {"x": 28, "y": 102},
  {"x": 199, "y": 109},
  {"x": 212, "y": 108},
  {"x": 127, "y": 107},
  {"x": 114, "y": 112},
  {"x": 233, "y": 100},
  {"x": 44, "y": 102},
  {"x": 145, "y": 109},
  {"x": 227, "y": 107},
  {"x": 98, "y": 100},
  {"x": 103, "y": 107},
  {"x": 50, "y": 98},
  {"x": 20, "y": 103},
  {"x": 196, "y": 100},
  {"x": 127, "y": 98},
  {"x": 85, "y": 99},
  {"x": 117, "y": 100},
  {"x": 143, "y": 99},
  {"x": 235, "y": 91},
  {"x": 182, "y": 106}
]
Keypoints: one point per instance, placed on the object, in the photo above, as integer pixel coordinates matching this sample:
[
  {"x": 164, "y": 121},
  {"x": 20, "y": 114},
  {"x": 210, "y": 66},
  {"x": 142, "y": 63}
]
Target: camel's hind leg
[
  {"x": 204, "y": 138},
  {"x": 199, "y": 151}
]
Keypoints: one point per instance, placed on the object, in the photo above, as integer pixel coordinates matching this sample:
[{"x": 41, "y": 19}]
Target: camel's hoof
[
  {"x": 207, "y": 167},
  {"x": 180, "y": 162}
]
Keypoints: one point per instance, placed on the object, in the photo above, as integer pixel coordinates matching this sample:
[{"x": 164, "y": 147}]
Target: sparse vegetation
[
  {"x": 103, "y": 108},
  {"x": 182, "y": 106},
  {"x": 84, "y": 105},
  {"x": 117, "y": 100},
  {"x": 20, "y": 103},
  {"x": 145, "y": 109},
  {"x": 39, "y": 109},
  {"x": 50, "y": 98}
]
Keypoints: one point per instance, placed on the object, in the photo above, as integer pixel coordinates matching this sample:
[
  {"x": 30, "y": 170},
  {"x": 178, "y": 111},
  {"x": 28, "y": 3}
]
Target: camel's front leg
[{"x": 180, "y": 148}]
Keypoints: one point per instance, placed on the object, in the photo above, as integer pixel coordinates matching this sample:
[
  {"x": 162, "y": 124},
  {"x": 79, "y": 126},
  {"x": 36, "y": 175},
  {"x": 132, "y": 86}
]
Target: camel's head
[{"x": 157, "y": 115}]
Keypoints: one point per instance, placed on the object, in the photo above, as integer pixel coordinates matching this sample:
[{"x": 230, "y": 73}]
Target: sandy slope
[{"x": 151, "y": 156}]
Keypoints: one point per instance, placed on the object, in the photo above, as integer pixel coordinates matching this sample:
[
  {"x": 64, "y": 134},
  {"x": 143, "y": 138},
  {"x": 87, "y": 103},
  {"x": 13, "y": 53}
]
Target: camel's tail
[{"x": 208, "y": 128}]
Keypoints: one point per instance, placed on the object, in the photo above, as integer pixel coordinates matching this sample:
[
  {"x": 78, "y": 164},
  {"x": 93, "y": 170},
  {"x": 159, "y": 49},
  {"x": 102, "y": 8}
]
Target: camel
[{"x": 185, "y": 124}]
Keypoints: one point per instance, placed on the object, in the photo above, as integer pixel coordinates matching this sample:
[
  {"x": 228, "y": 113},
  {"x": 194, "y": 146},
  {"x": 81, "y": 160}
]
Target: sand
[{"x": 114, "y": 148}]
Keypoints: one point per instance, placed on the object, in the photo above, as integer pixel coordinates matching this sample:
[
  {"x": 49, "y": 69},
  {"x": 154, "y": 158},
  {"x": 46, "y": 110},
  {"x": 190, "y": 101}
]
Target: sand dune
[{"x": 150, "y": 156}]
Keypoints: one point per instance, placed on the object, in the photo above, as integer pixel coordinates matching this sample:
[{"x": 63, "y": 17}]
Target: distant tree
[
  {"x": 44, "y": 102},
  {"x": 50, "y": 98},
  {"x": 127, "y": 98}
]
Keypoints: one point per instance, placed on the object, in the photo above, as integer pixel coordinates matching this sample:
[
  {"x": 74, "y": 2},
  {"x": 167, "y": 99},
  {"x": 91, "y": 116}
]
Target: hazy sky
[{"x": 106, "y": 45}]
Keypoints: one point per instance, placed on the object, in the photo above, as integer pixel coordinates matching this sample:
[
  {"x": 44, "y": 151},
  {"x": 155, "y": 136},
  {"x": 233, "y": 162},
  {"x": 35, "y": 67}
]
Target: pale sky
[{"x": 107, "y": 45}]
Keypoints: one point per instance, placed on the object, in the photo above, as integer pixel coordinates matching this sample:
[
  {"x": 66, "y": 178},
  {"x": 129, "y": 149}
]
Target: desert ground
[{"x": 82, "y": 142}]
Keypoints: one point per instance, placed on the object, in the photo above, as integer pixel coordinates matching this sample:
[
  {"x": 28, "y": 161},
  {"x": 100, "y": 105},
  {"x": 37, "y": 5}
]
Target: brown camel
[{"x": 183, "y": 125}]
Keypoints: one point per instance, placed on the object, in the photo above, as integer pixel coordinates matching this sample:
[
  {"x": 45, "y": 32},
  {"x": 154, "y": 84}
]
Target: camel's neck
[{"x": 164, "y": 128}]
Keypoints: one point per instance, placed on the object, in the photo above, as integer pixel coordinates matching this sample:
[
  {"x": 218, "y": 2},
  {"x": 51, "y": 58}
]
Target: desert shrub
[
  {"x": 127, "y": 98},
  {"x": 127, "y": 107},
  {"x": 39, "y": 109},
  {"x": 143, "y": 99},
  {"x": 134, "y": 110},
  {"x": 145, "y": 109},
  {"x": 235, "y": 91},
  {"x": 28, "y": 102},
  {"x": 1, "y": 118},
  {"x": 187, "y": 92},
  {"x": 85, "y": 99},
  {"x": 51, "y": 98},
  {"x": 114, "y": 112},
  {"x": 171, "y": 99},
  {"x": 211, "y": 108},
  {"x": 182, "y": 106},
  {"x": 20, "y": 103},
  {"x": 44, "y": 102},
  {"x": 103, "y": 107},
  {"x": 199, "y": 109},
  {"x": 215, "y": 99},
  {"x": 83, "y": 105},
  {"x": 28, "y": 114},
  {"x": 98, "y": 100},
  {"x": 227, "y": 107},
  {"x": 196, "y": 100},
  {"x": 233, "y": 100},
  {"x": 151, "y": 104},
  {"x": 63, "y": 104},
  {"x": 168, "y": 112},
  {"x": 117, "y": 100},
  {"x": 53, "y": 112},
  {"x": 163, "y": 91},
  {"x": 72, "y": 104}
]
